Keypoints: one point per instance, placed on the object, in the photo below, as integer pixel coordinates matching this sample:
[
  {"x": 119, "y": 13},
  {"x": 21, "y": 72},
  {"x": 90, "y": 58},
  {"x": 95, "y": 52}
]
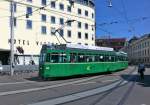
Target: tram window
[
  {"x": 54, "y": 58},
  {"x": 101, "y": 58},
  {"x": 48, "y": 57},
  {"x": 62, "y": 58},
  {"x": 123, "y": 58},
  {"x": 93, "y": 58},
  {"x": 81, "y": 58},
  {"x": 120, "y": 58},
  {"x": 42, "y": 58},
  {"x": 73, "y": 57},
  {"x": 117, "y": 58},
  {"x": 106, "y": 58},
  {"x": 88, "y": 59},
  {"x": 97, "y": 58},
  {"x": 113, "y": 59},
  {"x": 109, "y": 58}
]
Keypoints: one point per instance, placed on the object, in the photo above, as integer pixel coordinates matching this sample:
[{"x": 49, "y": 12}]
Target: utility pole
[{"x": 12, "y": 39}]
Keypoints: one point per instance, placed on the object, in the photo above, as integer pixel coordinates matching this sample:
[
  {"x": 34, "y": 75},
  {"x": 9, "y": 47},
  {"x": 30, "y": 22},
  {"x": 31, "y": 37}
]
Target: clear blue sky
[{"x": 124, "y": 19}]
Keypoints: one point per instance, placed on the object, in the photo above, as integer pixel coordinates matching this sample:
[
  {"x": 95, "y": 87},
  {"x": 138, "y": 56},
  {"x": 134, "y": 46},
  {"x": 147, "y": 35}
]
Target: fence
[{"x": 19, "y": 69}]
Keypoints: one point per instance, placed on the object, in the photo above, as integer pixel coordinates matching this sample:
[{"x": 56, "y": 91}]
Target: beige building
[
  {"x": 36, "y": 20},
  {"x": 139, "y": 50}
]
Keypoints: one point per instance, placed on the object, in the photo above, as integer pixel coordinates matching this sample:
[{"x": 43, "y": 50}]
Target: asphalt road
[{"x": 120, "y": 88}]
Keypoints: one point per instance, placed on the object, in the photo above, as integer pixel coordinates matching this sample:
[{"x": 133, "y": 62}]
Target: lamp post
[{"x": 12, "y": 39}]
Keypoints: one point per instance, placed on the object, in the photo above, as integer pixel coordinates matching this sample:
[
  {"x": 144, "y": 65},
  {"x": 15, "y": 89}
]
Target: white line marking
[
  {"x": 95, "y": 82},
  {"x": 13, "y": 83},
  {"x": 84, "y": 83},
  {"x": 109, "y": 80},
  {"x": 80, "y": 95},
  {"x": 46, "y": 87},
  {"x": 76, "y": 96}
]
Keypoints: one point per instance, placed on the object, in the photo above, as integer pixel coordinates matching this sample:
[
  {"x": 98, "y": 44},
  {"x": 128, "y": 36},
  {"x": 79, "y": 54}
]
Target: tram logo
[{"x": 88, "y": 68}]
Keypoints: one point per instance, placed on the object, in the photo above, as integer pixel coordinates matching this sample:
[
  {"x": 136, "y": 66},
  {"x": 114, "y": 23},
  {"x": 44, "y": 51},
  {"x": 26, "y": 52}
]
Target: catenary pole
[{"x": 12, "y": 39}]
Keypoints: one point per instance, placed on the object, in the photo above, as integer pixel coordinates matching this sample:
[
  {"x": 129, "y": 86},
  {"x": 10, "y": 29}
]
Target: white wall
[{"x": 22, "y": 33}]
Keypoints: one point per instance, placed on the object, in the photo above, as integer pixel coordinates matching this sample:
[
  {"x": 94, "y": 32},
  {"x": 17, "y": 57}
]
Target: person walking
[{"x": 141, "y": 69}]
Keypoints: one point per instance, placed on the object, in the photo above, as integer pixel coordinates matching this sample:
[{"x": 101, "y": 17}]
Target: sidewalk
[
  {"x": 140, "y": 94},
  {"x": 135, "y": 92},
  {"x": 17, "y": 77},
  {"x": 20, "y": 77}
]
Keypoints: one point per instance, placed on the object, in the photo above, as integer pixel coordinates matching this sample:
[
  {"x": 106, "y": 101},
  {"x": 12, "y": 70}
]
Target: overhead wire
[
  {"x": 50, "y": 10},
  {"x": 126, "y": 18},
  {"x": 122, "y": 21},
  {"x": 43, "y": 8},
  {"x": 129, "y": 22}
]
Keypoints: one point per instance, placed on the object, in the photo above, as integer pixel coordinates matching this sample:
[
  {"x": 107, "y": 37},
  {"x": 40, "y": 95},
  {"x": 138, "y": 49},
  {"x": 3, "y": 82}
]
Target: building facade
[
  {"x": 139, "y": 50},
  {"x": 116, "y": 43},
  {"x": 38, "y": 22}
]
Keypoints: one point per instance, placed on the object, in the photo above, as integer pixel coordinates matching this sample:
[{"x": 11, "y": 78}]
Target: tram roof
[{"x": 77, "y": 46}]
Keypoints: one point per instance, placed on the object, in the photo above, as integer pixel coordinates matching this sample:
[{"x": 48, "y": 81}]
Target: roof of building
[{"x": 112, "y": 39}]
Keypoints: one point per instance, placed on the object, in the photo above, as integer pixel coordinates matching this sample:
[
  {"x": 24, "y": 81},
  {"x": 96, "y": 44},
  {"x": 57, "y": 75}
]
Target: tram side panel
[{"x": 70, "y": 69}]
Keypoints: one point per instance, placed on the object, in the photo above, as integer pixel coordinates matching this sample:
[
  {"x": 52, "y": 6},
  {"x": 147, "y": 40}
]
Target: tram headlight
[{"x": 47, "y": 68}]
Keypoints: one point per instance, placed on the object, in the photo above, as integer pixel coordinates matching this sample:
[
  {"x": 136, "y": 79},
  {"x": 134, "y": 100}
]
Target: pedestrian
[
  {"x": 141, "y": 69},
  {"x": 31, "y": 62}
]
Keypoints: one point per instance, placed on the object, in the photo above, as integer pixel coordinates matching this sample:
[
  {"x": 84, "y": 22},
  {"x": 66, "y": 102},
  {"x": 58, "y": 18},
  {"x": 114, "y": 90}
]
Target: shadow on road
[
  {"x": 136, "y": 78},
  {"x": 38, "y": 79}
]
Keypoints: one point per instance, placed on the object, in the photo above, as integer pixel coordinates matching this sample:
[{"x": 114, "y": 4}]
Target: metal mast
[{"x": 12, "y": 39}]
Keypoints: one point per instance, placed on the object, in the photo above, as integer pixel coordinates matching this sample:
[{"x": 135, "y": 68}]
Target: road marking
[
  {"x": 84, "y": 83},
  {"x": 46, "y": 87},
  {"x": 72, "y": 97},
  {"x": 109, "y": 80},
  {"x": 13, "y": 83},
  {"x": 76, "y": 96}
]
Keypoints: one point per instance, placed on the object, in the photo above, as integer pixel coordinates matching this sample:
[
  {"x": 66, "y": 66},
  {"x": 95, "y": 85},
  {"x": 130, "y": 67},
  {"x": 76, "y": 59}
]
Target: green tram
[{"x": 68, "y": 60}]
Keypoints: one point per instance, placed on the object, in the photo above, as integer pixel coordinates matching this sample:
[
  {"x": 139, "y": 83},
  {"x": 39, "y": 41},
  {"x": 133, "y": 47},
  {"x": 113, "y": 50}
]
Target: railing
[{"x": 19, "y": 69}]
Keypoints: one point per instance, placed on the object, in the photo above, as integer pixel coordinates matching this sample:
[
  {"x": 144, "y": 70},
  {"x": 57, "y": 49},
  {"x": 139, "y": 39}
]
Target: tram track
[
  {"x": 37, "y": 81},
  {"x": 84, "y": 94},
  {"x": 124, "y": 97},
  {"x": 34, "y": 81},
  {"x": 47, "y": 85},
  {"x": 44, "y": 87},
  {"x": 59, "y": 90}
]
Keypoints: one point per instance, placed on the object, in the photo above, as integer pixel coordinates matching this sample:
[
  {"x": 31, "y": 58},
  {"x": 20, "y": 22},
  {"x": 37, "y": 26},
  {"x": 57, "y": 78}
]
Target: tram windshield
[{"x": 42, "y": 58}]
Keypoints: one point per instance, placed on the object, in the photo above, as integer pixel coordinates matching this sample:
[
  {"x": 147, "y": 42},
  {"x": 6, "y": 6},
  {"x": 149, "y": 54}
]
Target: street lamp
[{"x": 110, "y": 3}]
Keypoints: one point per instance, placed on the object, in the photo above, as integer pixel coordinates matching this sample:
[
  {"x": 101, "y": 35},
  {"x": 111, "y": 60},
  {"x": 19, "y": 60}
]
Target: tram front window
[
  {"x": 42, "y": 58},
  {"x": 54, "y": 58}
]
